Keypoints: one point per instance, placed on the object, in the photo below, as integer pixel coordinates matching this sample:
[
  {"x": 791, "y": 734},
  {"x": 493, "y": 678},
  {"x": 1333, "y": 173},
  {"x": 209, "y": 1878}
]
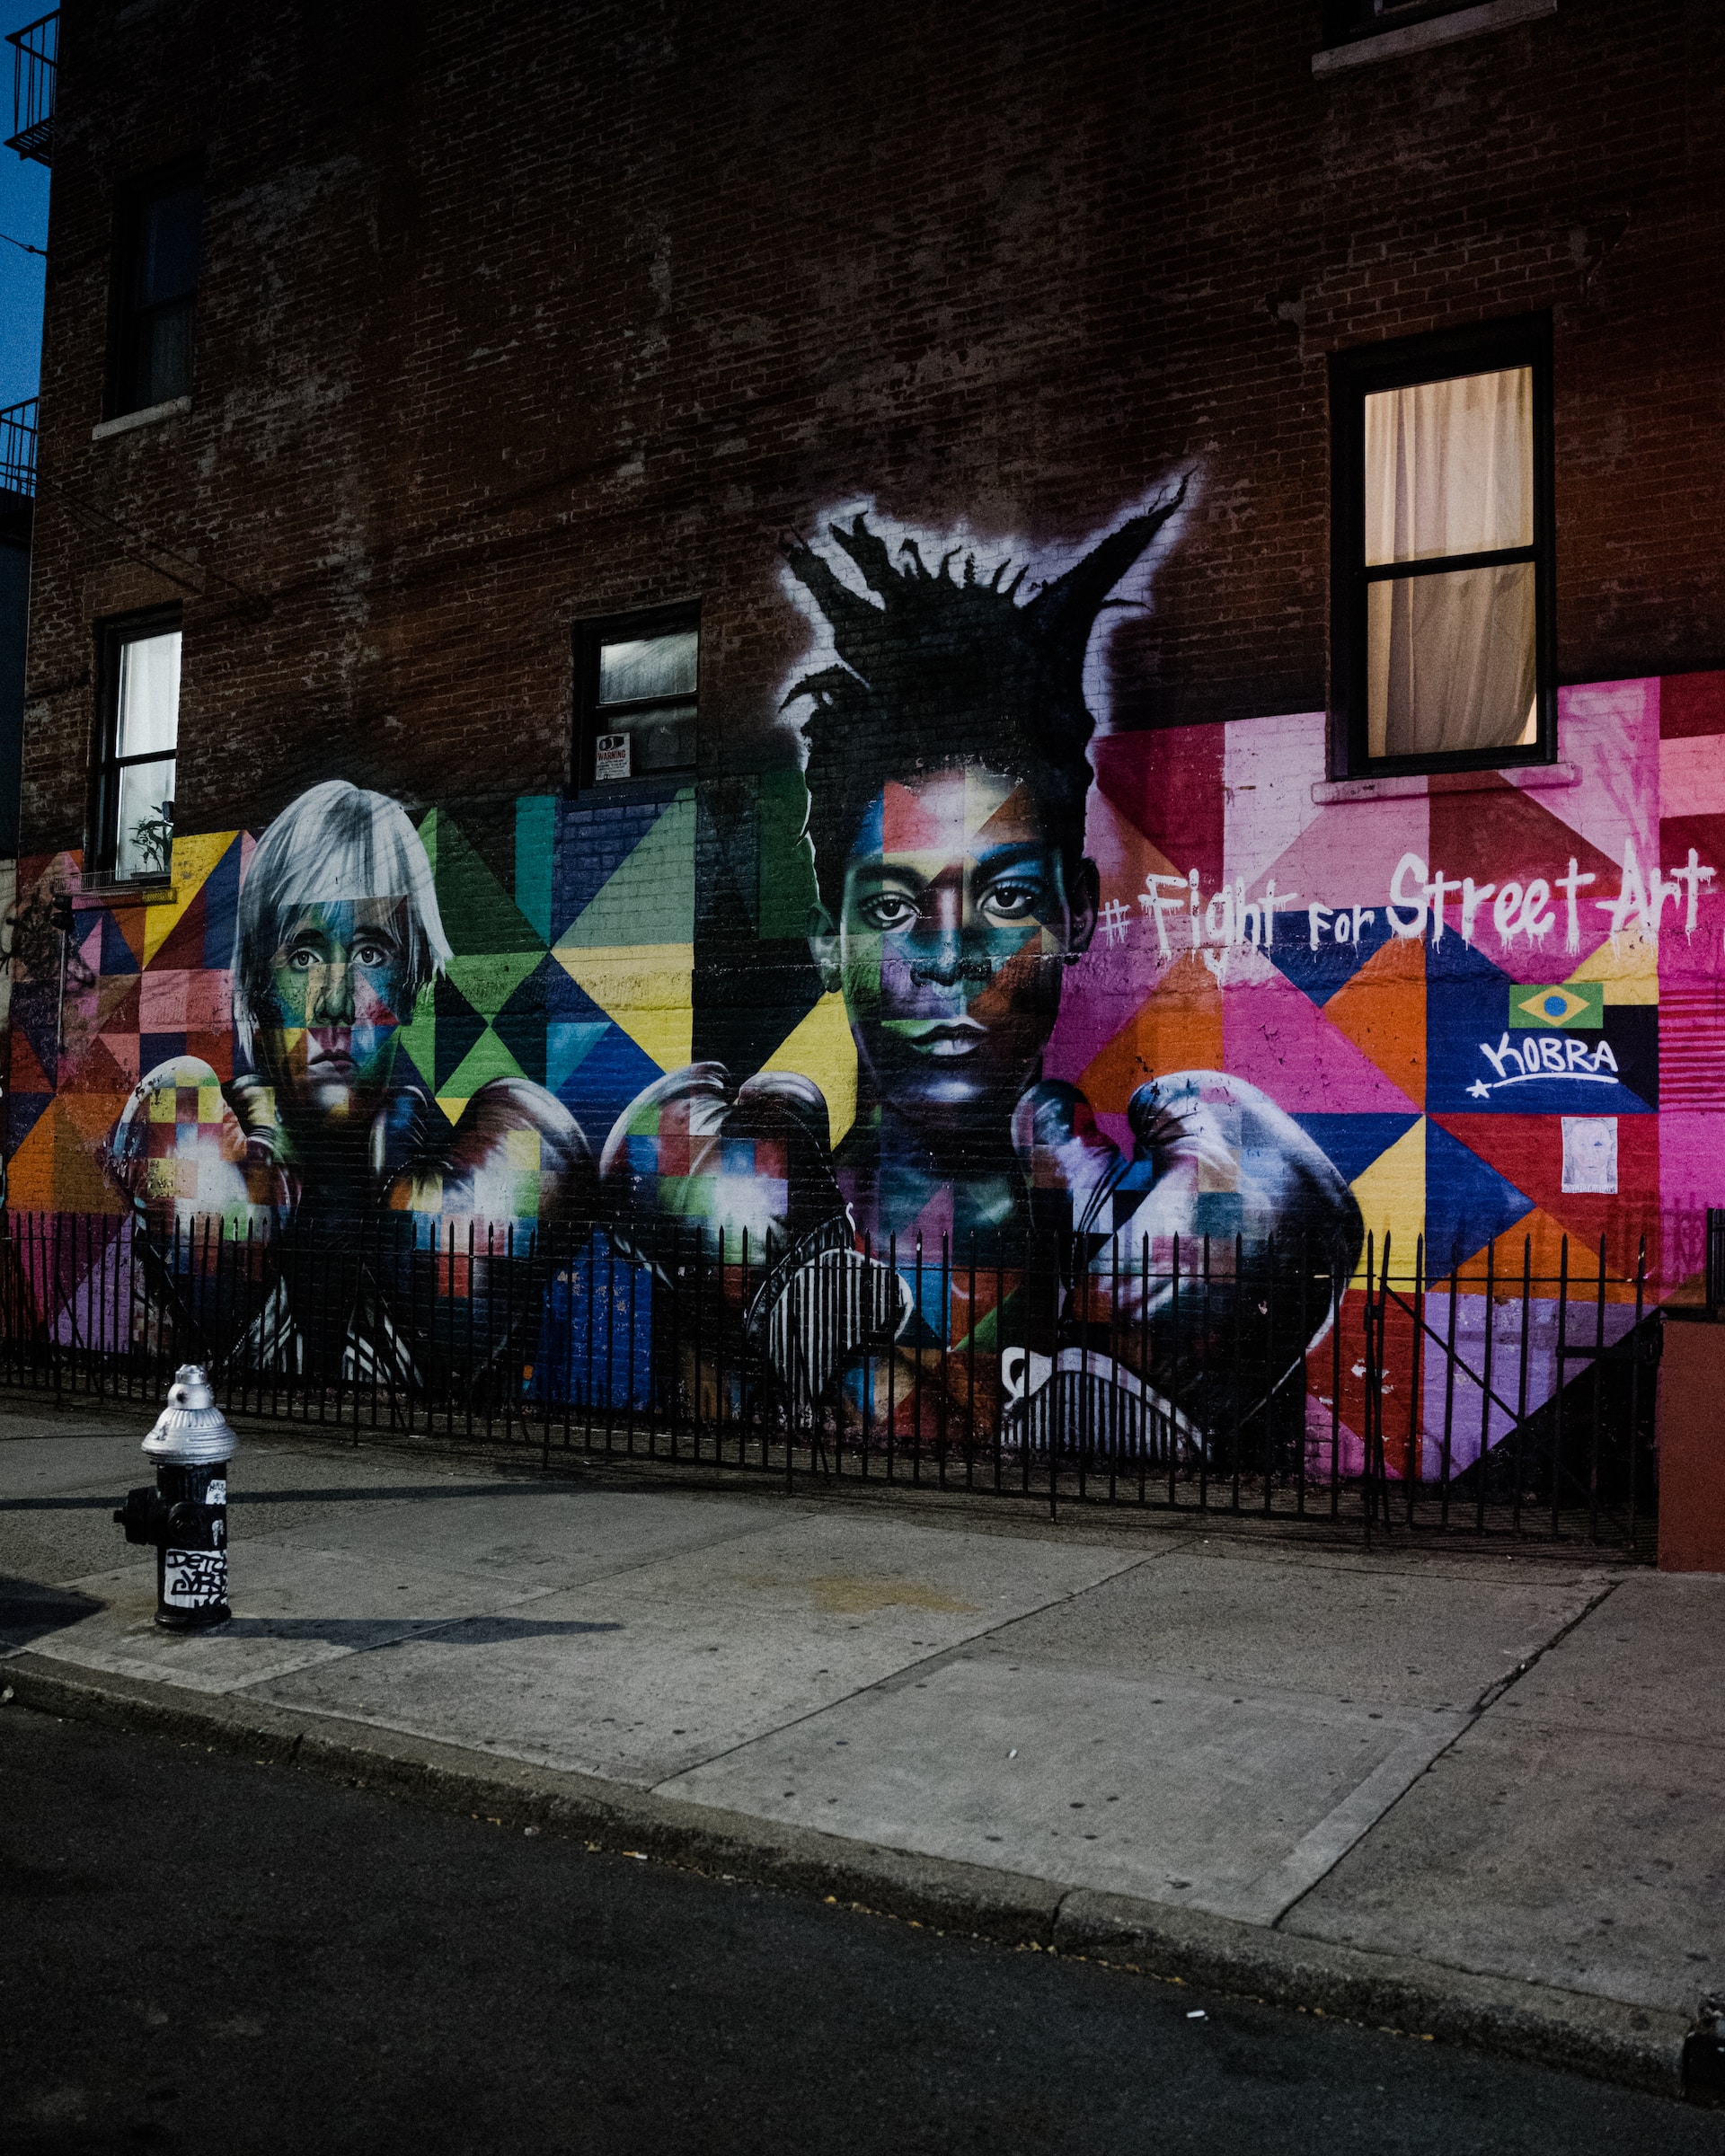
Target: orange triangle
[
  {"x": 55, "y": 1171},
  {"x": 1382, "y": 1011},
  {"x": 95, "y": 1114},
  {"x": 1178, "y": 1028},
  {"x": 30, "y": 1173},
  {"x": 79, "y": 1184},
  {"x": 1548, "y": 1236},
  {"x": 129, "y": 921}
]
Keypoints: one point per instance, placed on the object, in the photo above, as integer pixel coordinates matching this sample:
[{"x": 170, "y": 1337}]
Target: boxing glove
[
  {"x": 516, "y": 1161},
  {"x": 1264, "y": 1228},
  {"x": 693, "y": 1163},
  {"x": 722, "y": 1162},
  {"x": 186, "y": 1148}
]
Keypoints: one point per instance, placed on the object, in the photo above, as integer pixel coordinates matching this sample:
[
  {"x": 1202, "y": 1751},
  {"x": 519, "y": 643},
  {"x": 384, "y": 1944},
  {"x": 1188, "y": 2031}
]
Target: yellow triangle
[
  {"x": 193, "y": 859},
  {"x": 1631, "y": 972},
  {"x": 646, "y": 989},
  {"x": 1392, "y": 1195},
  {"x": 821, "y": 1048}
]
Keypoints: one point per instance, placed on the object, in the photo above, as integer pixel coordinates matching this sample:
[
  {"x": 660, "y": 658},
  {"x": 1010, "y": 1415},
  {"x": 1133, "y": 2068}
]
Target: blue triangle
[
  {"x": 1352, "y": 1143},
  {"x": 593, "y": 842},
  {"x": 116, "y": 953},
  {"x": 548, "y": 1001},
  {"x": 603, "y": 1082},
  {"x": 1320, "y": 973},
  {"x": 1467, "y": 1203},
  {"x": 221, "y": 895}
]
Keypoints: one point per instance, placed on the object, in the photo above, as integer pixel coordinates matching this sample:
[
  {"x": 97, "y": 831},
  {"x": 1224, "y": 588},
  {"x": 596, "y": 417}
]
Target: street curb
[{"x": 1637, "y": 2047}]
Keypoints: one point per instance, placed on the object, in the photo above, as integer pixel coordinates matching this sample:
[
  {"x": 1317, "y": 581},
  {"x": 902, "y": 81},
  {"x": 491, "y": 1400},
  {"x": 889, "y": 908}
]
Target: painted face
[
  {"x": 340, "y": 993},
  {"x": 956, "y": 919}
]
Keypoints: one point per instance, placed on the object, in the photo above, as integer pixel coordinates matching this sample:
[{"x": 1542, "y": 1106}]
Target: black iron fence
[{"x": 1402, "y": 1399}]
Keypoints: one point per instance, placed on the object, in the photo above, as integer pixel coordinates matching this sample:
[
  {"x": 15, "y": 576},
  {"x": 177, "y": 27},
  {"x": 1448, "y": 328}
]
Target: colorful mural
[{"x": 989, "y": 967}]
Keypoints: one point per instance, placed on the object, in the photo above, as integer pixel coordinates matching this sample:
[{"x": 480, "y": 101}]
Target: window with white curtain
[
  {"x": 1443, "y": 556},
  {"x": 135, "y": 774}
]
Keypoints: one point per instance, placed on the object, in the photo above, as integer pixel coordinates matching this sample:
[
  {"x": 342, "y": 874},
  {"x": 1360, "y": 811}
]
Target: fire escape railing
[
  {"x": 18, "y": 447},
  {"x": 35, "y": 51}
]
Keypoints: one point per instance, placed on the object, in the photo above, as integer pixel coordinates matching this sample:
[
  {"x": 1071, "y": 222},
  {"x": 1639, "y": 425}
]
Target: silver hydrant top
[{"x": 190, "y": 1431}]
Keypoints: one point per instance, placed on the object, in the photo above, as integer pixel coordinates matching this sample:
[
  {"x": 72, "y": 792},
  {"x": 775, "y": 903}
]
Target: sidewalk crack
[{"x": 1468, "y": 1719}]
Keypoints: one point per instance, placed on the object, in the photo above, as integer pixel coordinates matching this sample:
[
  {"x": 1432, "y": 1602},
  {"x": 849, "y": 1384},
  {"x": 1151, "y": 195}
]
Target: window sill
[
  {"x": 100, "y": 889},
  {"x": 1438, "y": 30},
  {"x": 624, "y": 792},
  {"x": 148, "y": 417},
  {"x": 1417, "y": 785}
]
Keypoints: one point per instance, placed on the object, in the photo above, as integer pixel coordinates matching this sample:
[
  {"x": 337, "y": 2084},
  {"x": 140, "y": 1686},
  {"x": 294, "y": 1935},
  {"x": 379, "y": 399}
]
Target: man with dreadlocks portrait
[{"x": 975, "y": 1205}]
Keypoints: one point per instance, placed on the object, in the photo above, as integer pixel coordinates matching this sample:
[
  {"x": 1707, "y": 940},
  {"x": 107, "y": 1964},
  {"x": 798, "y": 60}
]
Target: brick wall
[{"x": 514, "y": 314}]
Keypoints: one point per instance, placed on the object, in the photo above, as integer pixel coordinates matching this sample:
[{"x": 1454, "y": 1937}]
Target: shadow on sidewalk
[
  {"x": 414, "y": 1492},
  {"x": 30, "y": 1611},
  {"x": 470, "y": 1632}
]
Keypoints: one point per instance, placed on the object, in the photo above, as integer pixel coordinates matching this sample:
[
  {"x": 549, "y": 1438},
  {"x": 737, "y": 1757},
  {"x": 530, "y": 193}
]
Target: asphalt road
[{"x": 202, "y": 1953}]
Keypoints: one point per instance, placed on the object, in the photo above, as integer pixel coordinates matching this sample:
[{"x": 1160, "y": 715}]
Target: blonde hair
[{"x": 335, "y": 842}]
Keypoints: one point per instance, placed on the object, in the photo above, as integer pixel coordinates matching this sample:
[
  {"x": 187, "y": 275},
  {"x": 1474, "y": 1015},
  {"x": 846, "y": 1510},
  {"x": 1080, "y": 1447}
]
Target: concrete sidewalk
[{"x": 1476, "y": 1793}]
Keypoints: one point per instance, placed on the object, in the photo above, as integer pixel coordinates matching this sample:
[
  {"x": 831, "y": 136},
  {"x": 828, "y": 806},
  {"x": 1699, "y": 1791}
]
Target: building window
[
  {"x": 640, "y": 684},
  {"x": 1344, "y": 21},
  {"x": 1442, "y": 584},
  {"x": 156, "y": 287},
  {"x": 133, "y": 814}
]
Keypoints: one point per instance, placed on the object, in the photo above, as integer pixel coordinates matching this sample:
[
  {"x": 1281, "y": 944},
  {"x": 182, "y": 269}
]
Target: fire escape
[{"x": 34, "y": 51}]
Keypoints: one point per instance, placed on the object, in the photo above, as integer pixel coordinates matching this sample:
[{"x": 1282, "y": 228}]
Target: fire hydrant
[{"x": 185, "y": 1516}]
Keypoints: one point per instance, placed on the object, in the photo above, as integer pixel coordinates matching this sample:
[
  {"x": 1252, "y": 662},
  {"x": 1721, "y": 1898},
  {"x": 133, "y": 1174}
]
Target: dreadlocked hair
[{"x": 938, "y": 670}]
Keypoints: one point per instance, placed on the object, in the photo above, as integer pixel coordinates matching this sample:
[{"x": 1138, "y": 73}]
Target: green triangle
[
  {"x": 488, "y": 978},
  {"x": 648, "y": 897},
  {"x": 487, "y": 1058},
  {"x": 419, "y": 1040},
  {"x": 478, "y": 913}
]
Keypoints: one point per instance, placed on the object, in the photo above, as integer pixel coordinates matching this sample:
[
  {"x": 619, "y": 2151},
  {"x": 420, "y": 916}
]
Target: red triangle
[
  {"x": 1494, "y": 831},
  {"x": 1169, "y": 783},
  {"x": 27, "y": 1074},
  {"x": 1527, "y": 1151},
  {"x": 184, "y": 944}
]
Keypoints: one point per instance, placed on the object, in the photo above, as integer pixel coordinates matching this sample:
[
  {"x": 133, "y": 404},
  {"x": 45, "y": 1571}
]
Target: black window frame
[
  {"x": 1352, "y": 22},
  {"x": 102, "y": 851},
  {"x": 1365, "y": 370},
  {"x": 617, "y": 628},
  {"x": 126, "y": 313}
]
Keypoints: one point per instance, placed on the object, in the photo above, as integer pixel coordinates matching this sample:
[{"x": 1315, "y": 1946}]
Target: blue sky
[{"x": 24, "y": 216}]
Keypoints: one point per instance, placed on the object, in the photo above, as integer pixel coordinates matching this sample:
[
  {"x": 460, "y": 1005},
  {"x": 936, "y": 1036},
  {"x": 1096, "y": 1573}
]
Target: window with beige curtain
[{"x": 1451, "y": 643}]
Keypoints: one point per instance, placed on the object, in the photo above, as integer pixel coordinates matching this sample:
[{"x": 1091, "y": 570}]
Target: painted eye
[
  {"x": 366, "y": 952},
  {"x": 302, "y": 959},
  {"x": 1012, "y": 901},
  {"x": 887, "y": 911}
]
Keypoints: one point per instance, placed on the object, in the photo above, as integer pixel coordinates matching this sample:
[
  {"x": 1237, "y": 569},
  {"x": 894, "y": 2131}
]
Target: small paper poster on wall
[
  {"x": 610, "y": 757},
  {"x": 1590, "y": 1153}
]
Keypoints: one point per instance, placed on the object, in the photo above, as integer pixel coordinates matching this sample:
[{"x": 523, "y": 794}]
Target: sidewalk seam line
[
  {"x": 1482, "y": 1705},
  {"x": 861, "y": 1692}
]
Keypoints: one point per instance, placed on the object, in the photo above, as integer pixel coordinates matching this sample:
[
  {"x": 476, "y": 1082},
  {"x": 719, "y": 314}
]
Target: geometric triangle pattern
[{"x": 1362, "y": 961}]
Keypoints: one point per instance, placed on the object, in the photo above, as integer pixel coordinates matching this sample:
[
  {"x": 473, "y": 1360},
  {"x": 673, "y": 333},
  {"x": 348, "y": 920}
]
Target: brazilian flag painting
[{"x": 1578, "y": 1006}]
